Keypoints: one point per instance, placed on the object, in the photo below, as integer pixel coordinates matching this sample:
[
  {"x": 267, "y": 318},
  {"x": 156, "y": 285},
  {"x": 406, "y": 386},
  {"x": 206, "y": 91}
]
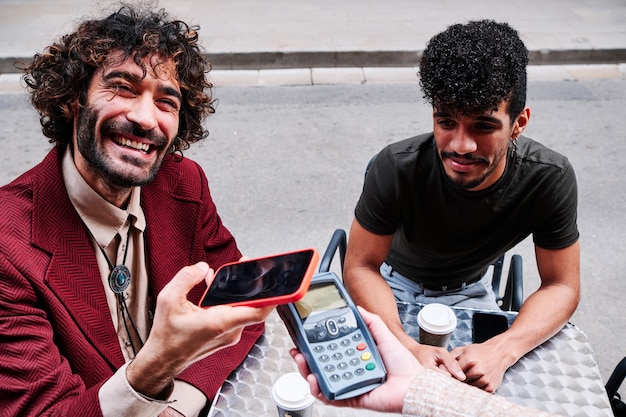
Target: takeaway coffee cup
[
  {"x": 436, "y": 322},
  {"x": 292, "y": 396}
]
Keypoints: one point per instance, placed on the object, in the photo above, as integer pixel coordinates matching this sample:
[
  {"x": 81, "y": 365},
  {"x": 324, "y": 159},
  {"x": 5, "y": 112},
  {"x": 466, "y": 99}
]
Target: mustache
[
  {"x": 133, "y": 129},
  {"x": 467, "y": 157}
]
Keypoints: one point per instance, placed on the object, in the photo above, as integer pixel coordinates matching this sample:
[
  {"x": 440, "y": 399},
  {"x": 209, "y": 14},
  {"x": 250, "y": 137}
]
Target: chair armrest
[
  {"x": 616, "y": 378},
  {"x": 337, "y": 241},
  {"x": 497, "y": 276},
  {"x": 515, "y": 284}
]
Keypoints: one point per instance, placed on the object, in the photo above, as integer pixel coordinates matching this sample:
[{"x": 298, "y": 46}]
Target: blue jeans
[{"x": 478, "y": 295}]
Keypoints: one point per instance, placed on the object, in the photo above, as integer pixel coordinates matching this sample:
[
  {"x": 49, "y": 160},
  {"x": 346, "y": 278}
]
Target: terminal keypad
[{"x": 345, "y": 357}]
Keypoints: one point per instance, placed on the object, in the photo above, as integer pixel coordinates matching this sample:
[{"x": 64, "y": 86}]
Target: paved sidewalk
[
  {"x": 10, "y": 83},
  {"x": 252, "y": 34}
]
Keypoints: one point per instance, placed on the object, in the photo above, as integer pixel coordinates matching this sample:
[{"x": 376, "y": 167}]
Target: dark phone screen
[
  {"x": 258, "y": 278},
  {"x": 487, "y": 325}
]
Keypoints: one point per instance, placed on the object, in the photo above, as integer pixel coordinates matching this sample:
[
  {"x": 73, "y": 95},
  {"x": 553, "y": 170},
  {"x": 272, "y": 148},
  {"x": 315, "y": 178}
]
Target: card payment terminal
[{"x": 337, "y": 345}]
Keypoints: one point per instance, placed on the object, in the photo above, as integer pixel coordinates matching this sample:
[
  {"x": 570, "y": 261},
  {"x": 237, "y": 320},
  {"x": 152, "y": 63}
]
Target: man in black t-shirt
[{"x": 439, "y": 208}]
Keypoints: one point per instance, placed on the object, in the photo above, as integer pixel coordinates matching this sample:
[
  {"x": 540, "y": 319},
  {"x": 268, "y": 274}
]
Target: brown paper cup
[{"x": 436, "y": 322}]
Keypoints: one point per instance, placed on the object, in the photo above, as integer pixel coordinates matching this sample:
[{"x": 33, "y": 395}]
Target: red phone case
[{"x": 273, "y": 300}]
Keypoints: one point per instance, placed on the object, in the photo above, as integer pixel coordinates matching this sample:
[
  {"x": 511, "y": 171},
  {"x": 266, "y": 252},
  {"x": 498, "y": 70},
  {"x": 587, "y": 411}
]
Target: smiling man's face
[
  {"x": 127, "y": 126},
  {"x": 473, "y": 148}
]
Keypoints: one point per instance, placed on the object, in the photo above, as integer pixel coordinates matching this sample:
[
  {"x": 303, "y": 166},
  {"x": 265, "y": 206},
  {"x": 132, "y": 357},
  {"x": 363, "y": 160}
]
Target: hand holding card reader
[{"x": 337, "y": 345}]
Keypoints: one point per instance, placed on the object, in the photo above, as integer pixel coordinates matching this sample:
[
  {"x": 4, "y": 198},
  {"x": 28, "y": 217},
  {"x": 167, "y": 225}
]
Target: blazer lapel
[
  {"x": 171, "y": 227},
  {"x": 73, "y": 273}
]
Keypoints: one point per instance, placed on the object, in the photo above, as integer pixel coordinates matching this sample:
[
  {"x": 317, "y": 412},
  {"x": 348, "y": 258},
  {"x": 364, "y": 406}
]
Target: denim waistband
[{"x": 388, "y": 270}]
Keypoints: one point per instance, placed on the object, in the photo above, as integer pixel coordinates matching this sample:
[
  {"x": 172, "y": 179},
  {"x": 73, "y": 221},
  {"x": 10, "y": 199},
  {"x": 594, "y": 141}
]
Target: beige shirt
[
  {"x": 433, "y": 394},
  {"x": 110, "y": 227}
]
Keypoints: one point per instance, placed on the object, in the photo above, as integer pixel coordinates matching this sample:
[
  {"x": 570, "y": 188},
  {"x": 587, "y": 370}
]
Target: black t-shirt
[{"x": 447, "y": 235}]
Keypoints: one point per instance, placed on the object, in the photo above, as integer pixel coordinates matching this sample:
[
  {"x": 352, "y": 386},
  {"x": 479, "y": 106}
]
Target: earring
[{"x": 514, "y": 143}]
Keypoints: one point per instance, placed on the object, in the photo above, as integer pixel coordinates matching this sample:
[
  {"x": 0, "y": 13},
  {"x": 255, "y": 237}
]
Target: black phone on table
[{"x": 487, "y": 325}]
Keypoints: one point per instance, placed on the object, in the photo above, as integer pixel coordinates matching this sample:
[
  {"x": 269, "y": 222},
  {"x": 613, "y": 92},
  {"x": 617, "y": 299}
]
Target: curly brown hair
[
  {"x": 471, "y": 68},
  {"x": 60, "y": 76}
]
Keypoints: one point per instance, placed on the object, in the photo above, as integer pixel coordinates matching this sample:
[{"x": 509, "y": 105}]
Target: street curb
[
  {"x": 332, "y": 59},
  {"x": 359, "y": 59}
]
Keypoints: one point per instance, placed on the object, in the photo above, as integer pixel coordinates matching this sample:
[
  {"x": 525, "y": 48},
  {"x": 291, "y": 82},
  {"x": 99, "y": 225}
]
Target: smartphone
[
  {"x": 327, "y": 328},
  {"x": 270, "y": 280},
  {"x": 487, "y": 325}
]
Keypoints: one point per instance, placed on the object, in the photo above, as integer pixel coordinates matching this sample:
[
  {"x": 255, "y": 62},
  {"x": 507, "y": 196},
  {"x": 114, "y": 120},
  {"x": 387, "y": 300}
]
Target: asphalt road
[{"x": 285, "y": 166}]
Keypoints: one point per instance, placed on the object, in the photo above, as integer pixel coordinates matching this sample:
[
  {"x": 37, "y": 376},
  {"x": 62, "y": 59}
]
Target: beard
[
  {"x": 468, "y": 183},
  {"x": 89, "y": 143}
]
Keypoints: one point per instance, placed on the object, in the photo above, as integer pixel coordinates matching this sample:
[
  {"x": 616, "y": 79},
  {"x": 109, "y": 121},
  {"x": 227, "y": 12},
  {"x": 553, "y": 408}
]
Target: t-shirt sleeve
[
  {"x": 378, "y": 208},
  {"x": 559, "y": 229}
]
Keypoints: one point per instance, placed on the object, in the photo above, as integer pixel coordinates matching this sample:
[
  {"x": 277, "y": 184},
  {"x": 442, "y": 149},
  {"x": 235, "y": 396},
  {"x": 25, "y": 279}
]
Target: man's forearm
[
  {"x": 369, "y": 290},
  {"x": 541, "y": 318}
]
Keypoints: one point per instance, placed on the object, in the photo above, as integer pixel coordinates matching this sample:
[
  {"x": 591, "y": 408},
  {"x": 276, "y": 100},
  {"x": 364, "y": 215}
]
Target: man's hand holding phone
[{"x": 184, "y": 333}]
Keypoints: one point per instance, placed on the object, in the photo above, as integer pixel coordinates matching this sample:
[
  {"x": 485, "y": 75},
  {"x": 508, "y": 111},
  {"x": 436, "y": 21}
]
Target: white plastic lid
[
  {"x": 291, "y": 392},
  {"x": 436, "y": 318}
]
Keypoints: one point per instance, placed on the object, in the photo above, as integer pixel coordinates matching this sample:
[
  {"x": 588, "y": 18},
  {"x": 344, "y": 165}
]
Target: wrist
[
  {"x": 153, "y": 382},
  {"x": 162, "y": 395},
  {"x": 404, "y": 338},
  {"x": 509, "y": 350}
]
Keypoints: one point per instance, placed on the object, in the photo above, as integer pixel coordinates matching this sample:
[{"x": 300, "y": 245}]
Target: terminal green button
[{"x": 370, "y": 366}]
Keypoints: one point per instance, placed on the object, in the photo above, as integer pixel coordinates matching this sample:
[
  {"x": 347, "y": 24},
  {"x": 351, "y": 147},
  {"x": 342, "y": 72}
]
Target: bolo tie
[{"x": 119, "y": 280}]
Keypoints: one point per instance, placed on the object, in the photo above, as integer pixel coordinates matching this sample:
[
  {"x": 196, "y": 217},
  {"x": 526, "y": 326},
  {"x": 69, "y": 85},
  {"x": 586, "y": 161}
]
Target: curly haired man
[
  {"x": 107, "y": 245},
  {"x": 437, "y": 209}
]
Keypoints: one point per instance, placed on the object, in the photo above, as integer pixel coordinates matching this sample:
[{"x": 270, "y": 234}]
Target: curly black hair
[
  {"x": 471, "y": 68},
  {"x": 60, "y": 76}
]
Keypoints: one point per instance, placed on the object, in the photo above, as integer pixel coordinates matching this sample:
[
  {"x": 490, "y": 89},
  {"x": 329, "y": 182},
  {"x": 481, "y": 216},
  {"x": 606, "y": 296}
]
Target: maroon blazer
[{"x": 57, "y": 341}]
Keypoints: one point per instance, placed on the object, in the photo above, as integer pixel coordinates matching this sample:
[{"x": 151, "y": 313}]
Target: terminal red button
[{"x": 361, "y": 346}]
